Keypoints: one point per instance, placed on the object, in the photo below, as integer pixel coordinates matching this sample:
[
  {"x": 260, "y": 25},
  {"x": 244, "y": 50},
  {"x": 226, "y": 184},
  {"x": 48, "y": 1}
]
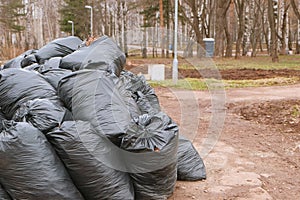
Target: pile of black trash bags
[{"x": 75, "y": 125}]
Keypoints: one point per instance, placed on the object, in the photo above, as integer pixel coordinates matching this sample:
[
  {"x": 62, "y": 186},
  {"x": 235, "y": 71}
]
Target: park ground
[{"x": 256, "y": 155}]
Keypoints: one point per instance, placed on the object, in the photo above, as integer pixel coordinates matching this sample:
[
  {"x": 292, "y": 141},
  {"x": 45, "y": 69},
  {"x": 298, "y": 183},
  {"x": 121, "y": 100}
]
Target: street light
[
  {"x": 71, "y": 22},
  {"x": 175, "y": 61},
  {"x": 90, "y": 7}
]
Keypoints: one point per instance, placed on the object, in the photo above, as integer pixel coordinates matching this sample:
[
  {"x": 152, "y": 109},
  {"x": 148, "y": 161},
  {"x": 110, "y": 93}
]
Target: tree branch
[{"x": 295, "y": 8}]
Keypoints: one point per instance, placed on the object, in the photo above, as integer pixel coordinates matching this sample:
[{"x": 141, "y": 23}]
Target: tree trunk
[
  {"x": 284, "y": 29},
  {"x": 240, "y": 8},
  {"x": 274, "y": 44},
  {"x": 261, "y": 43},
  {"x": 264, "y": 28},
  {"x": 297, "y": 13},
  {"x": 297, "y": 38},
  {"x": 228, "y": 40},
  {"x": 168, "y": 29},
  {"x": 290, "y": 41},
  {"x": 111, "y": 20},
  {"x": 246, "y": 31},
  {"x": 162, "y": 27},
  {"x": 229, "y": 27},
  {"x": 144, "y": 46},
  {"x": 257, "y": 26},
  {"x": 119, "y": 17},
  {"x": 125, "y": 27},
  {"x": 254, "y": 44},
  {"x": 222, "y": 8},
  {"x": 212, "y": 18},
  {"x": 268, "y": 43},
  {"x": 204, "y": 22},
  {"x": 106, "y": 19}
]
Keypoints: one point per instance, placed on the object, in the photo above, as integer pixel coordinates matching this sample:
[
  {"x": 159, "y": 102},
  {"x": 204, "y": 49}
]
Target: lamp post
[
  {"x": 71, "y": 22},
  {"x": 90, "y": 7},
  {"x": 175, "y": 61}
]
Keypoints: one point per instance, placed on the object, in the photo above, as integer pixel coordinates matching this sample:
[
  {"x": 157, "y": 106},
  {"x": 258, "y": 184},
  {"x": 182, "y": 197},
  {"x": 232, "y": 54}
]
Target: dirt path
[{"x": 249, "y": 160}]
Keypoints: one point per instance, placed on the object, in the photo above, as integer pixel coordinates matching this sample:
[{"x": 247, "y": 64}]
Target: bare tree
[
  {"x": 284, "y": 24},
  {"x": 241, "y": 24},
  {"x": 229, "y": 30},
  {"x": 120, "y": 21},
  {"x": 297, "y": 13},
  {"x": 211, "y": 12},
  {"x": 272, "y": 23},
  {"x": 162, "y": 27},
  {"x": 262, "y": 9},
  {"x": 240, "y": 10},
  {"x": 222, "y": 8},
  {"x": 124, "y": 17},
  {"x": 167, "y": 11},
  {"x": 248, "y": 26},
  {"x": 256, "y": 25}
]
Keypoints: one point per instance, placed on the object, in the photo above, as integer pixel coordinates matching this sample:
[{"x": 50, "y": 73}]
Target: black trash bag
[
  {"x": 41, "y": 113},
  {"x": 92, "y": 96},
  {"x": 28, "y": 60},
  {"x": 156, "y": 185},
  {"x": 102, "y": 54},
  {"x": 52, "y": 63},
  {"x": 2, "y": 117},
  {"x": 140, "y": 89},
  {"x": 190, "y": 165},
  {"x": 149, "y": 133},
  {"x": 3, "y": 194},
  {"x": 58, "y": 48},
  {"x": 74, "y": 60},
  {"x": 30, "y": 168},
  {"x": 128, "y": 97},
  {"x": 92, "y": 177},
  {"x": 144, "y": 104},
  {"x": 53, "y": 76},
  {"x": 16, "y": 62},
  {"x": 17, "y": 86},
  {"x": 33, "y": 67},
  {"x": 156, "y": 133}
]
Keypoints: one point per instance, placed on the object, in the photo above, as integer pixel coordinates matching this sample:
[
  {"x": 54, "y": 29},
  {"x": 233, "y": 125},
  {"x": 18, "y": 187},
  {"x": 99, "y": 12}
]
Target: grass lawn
[
  {"x": 205, "y": 84},
  {"x": 260, "y": 62}
]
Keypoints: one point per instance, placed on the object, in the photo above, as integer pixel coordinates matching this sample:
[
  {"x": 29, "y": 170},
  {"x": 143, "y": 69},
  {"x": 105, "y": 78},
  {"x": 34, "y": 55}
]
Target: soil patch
[
  {"x": 242, "y": 74},
  {"x": 257, "y": 155},
  {"x": 228, "y": 74},
  {"x": 285, "y": 114}
]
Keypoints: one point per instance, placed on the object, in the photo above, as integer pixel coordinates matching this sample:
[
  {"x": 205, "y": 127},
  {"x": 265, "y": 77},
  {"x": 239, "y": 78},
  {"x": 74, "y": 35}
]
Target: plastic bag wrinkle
[{"x": 30, "y": 168}]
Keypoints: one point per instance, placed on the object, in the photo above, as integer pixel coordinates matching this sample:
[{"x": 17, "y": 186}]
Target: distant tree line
[{"x": 239, "y": 27}]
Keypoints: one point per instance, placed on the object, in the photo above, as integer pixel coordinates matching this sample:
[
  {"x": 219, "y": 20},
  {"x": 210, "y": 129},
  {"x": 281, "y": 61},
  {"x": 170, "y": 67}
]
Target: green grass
[
  {"x": 278, "y": 81},
  {"x": 188, "y": 83},
  {"x": 205, "y": 84}
]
